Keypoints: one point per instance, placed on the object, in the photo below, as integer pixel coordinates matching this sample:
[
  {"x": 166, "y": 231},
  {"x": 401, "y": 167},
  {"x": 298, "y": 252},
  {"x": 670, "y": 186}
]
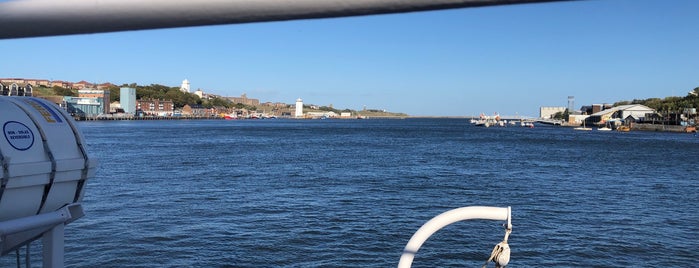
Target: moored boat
[{"x": 623, "y": 129}]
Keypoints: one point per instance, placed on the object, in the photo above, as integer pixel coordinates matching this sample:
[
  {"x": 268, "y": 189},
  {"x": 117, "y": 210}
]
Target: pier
[
  {"x": 109, "y": 117},
  {"x": 555, "y": 122}
]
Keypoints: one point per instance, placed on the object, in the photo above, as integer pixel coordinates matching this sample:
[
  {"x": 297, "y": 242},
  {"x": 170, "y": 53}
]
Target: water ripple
[{"x": 350, "y": 193}]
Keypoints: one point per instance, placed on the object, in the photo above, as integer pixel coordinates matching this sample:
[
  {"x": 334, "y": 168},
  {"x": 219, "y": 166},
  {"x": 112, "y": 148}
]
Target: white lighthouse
[
  {"x": 299, "y": 108},
  {"x": 185, "y": 86}
]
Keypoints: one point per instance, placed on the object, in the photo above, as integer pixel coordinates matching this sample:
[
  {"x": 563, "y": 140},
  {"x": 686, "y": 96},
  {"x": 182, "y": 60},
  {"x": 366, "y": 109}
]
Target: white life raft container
[{"x": 43, "y": 157}]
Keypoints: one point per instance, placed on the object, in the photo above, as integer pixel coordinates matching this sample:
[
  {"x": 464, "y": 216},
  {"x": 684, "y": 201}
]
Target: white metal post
[{"x": 53, "y": 242}]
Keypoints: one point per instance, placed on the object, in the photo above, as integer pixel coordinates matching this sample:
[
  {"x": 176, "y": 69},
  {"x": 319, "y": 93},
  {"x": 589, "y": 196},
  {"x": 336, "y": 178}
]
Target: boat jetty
[{"x": 497, "y": 121}]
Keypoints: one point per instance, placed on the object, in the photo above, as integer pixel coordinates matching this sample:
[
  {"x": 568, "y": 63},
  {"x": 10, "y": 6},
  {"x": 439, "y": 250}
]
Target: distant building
[
  {"x": 594, "y": 108},
  {"x": 59, "y": 83},
  {"x": 245, "y": 100},
  {"x": 156, "y": 107},
  {"x": 185, "y": 86},
  {"x": 99, "y": 94},
  {"x": 87, "y": 107},
  {"x": 41, "y": 82},
  {"x": 197, "y": 111},
  {"x": 549, "y": 112},
  {"x": 299, "y": 108},
  {"x": 577, "y": 119},
  {"x": 127, "y": 98},
  {"x": 571, "y": 103},
  {"x": 199, "y": 93},
  {"x": 275, "y": 105},
  {"x": 82, "y": 85},
  {"x": 326, "y": 114},
  {"x": 186, "y": 110},
  {"x": 636, "y": 111},
  {"x": 115, "y": 107},
  {"x": 33, "y": 82},
  {"x": 64, "y": 84},
  {"x": 105, "y": 86},
  {"x": 15, "y": 89}
]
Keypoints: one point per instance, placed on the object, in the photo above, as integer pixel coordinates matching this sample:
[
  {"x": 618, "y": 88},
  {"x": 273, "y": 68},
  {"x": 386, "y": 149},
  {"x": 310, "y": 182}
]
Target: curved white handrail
[
  {"x": 446, "y": 218},
  {"x": 27, "y": 18}
]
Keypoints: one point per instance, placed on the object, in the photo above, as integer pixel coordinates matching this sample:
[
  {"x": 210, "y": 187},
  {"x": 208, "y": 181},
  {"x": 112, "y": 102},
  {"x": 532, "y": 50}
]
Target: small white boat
[
  {"x": 583, "y": 127},
  {"x": 483, "y": 123}
]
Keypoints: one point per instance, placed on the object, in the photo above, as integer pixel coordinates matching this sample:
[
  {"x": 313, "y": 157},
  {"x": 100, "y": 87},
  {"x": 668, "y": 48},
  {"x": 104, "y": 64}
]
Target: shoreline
[{"x": 635, "y": 127}]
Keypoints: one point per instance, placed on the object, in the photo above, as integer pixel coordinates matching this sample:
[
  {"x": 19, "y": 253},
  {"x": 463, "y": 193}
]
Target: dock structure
[
  {"x": 555, "y": 122},
  {"x": 508, "y": 118},
  {"x": 133, "y": 117}
]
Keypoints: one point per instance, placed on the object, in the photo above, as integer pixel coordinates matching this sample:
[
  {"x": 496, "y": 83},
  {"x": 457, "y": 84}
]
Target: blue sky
[{"x": 506, "y": 59}]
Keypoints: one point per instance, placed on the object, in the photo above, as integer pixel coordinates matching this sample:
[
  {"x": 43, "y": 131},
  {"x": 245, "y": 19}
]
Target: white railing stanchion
[{"x": 446, "y": 218}]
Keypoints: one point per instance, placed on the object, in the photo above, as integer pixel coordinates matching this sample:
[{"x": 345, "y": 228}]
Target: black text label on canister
[{"x": 18, "y": 135}]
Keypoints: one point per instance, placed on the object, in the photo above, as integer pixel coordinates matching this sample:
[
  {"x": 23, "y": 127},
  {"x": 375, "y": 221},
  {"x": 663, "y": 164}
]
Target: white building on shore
[
  {"x": 185, "y": 86},
  {"x": 299, "y": 108},
  {"x": 547, "y": 112}
]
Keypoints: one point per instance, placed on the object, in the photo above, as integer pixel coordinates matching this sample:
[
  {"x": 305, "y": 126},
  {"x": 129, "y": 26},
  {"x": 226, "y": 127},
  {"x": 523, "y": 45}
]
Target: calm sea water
[{"x": 350, "y": 193}]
